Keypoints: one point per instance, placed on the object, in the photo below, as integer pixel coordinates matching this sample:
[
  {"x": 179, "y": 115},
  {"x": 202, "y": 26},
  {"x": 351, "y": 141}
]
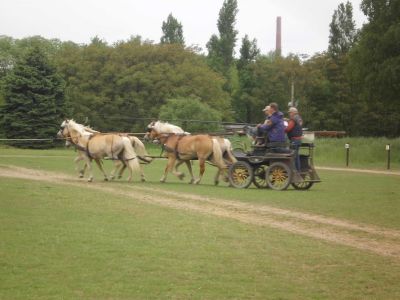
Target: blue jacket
[{"x": 276, "y": 128}]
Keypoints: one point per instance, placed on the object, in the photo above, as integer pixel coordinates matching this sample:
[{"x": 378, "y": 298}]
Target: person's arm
[
  {"x": 290, "y": 126},
  {"x": 268, "y": 124}
]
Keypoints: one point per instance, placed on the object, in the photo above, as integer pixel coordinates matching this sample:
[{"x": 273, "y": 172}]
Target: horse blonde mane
[
  {"x": 81, "y": 129},
  {"x": 165, "y": 127}
]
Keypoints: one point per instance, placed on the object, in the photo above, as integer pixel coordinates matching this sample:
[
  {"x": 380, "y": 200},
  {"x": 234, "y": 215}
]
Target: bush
[{"x": 189, "y": 113}]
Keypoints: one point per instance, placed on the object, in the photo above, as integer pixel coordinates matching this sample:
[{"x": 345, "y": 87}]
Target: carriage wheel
[
  {"x": 240, "y": 174},
  {"x": 260, "y": 177},
  {"x": 305, "y": 185},
  {"x": 279, "y": 176}
]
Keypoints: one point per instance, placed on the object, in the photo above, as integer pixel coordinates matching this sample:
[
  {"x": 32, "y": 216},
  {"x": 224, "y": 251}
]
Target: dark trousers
[{"x": 295, "y": 145}]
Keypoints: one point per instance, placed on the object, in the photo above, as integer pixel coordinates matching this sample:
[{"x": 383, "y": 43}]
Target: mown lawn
[
  {"x": 373, "y": 199},
  {"x": 70, "y": 243}
]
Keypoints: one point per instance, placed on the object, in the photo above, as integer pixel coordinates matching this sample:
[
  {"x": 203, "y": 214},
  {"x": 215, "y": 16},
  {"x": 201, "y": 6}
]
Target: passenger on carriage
[
  {"x": 294, "y": 132},
  {"x": 273, "y": 129}
]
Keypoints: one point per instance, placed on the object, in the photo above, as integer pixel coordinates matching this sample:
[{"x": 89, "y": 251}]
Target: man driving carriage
[{"x": 273, "y": 129}]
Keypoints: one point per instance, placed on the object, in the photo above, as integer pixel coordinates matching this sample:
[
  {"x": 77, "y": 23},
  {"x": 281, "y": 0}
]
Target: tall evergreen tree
[
  {"x": 342, "y": 30},
  {"x": 222, "y": 47},
  {"x": 172, "y": 31},
  {"x": 34, "y": 99}
]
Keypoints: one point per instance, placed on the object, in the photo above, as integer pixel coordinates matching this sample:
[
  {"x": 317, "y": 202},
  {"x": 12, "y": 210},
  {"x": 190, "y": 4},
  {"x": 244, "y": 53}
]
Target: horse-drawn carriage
[{"x": 273, "y": 165}]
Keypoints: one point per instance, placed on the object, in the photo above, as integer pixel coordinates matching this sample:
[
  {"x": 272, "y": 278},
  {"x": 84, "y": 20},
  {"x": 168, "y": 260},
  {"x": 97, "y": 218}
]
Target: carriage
[{"x": 266, "y": 168}]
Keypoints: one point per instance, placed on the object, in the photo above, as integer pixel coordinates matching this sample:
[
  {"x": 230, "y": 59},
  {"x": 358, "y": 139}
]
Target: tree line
[{"x": 354, "y": 85}]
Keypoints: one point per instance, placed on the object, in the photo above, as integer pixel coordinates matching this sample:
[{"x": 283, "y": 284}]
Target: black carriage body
[{"x": 273, "y": 166}]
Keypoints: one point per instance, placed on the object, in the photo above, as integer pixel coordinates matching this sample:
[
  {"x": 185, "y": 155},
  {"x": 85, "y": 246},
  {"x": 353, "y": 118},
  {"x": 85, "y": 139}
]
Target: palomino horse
[
  {"x": 63, "y": 133},
  {"x": 137, "y": 145},
  {"x": 183, "y": 148},
  {"x": 225, "y": 145},
  {"x": 97, "y": 146}
]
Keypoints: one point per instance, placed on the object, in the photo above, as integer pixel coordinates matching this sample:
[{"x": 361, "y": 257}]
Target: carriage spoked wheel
[
  {"x": 279, "y": 176},
  {"x": 240, "y": 174},
  {"x": 260, "y": 177},
  {"x": 305, "y": 185}
]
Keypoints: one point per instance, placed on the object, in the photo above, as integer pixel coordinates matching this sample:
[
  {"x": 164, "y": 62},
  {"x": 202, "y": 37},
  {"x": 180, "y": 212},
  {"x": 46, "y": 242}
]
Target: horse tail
[
  {"x": 217, "y": 154},
  {"x": 130, "y": 156},
  {"x": 140, "y": 149},
  {"x": 232, "y": 159}
]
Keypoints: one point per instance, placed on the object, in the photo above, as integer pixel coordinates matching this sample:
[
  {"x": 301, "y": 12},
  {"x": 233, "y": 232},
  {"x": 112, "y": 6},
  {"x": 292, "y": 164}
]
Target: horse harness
[{"x": 172, "y": 150}]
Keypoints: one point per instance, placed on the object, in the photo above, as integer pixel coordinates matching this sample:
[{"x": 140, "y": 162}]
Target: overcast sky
[{"x": 305, "y": 24}]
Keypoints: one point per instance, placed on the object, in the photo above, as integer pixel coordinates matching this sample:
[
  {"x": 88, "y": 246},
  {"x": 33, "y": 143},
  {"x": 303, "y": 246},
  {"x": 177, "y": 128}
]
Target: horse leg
[
  {"x": 133, "y": 164},
  {"x": 80, "y": 171},
  {"x": 168, "y": 168},
  {"x": 180, "y": 175},
  {"x": 216, "y": 178},
  {"x": 117, "y": 165},
  {"x": 121, "y": 171},
  {"x": 189, "y": 166},
  {"x": 202, "y": 163},
  {"x": 142, "y": 177},
  {"x": 89, "y": 165},
  {"x": 221, "y": 173},
  {"x": 99, "y": 164}
]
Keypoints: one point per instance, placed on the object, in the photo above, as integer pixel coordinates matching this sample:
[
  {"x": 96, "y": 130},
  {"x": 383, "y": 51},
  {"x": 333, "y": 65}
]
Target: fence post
[
  {"x": 347, "y": 147},
  {"x": 388, "y": 156}
]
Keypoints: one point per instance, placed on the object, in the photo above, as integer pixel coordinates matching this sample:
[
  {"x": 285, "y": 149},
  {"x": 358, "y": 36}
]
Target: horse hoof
[
  {"x": 216, "y": 182},
  {"x": 143, "y": 180},
  {"x": 119, "y": 177},
  {"x": 105, "y": 179},
  {"x": 80, "y": 176},
  {"x": 90, "y": 180},
  {"x": 197, "y": 181},
  {"x": 162, "y": 180}
]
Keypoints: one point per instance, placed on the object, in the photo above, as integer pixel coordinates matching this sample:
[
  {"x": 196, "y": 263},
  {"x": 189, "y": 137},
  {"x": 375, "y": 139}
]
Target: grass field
[{"x": 69, "y": 240}]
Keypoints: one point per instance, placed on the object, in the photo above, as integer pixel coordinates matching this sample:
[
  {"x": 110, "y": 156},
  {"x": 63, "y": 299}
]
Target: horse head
[
  {"x": 63, "y": 132},
  {"x": 151, "y": 132}
]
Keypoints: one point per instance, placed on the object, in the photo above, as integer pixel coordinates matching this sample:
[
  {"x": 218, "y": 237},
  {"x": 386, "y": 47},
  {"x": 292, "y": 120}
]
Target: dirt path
[{"x": 378, "y": 240}]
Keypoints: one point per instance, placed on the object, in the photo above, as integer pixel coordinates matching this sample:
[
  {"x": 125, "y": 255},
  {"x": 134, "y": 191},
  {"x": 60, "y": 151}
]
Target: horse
[
  {"x": 182, "y": 147},
  {"x": 225, "y": 144},
  {"x": 81, "y": 154},
  {"x": 97, "y": 146}
]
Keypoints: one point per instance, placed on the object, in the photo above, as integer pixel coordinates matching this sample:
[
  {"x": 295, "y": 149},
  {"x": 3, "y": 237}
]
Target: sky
[{"x": 305, "y": 24}]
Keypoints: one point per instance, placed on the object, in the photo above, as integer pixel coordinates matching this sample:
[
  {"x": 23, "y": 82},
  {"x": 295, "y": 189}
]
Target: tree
[
  {"x": 172, "y": 32},
  {"x": 34, "y": 99},
  {"x": 222, "y": 47},
  {"x": 241, "y": 100},
  {"x": 374, "y": 68},
  {"x": 342, "y": 30},
  {"x": 248, "y": 52},
  {"x": 191, "y": 111}
]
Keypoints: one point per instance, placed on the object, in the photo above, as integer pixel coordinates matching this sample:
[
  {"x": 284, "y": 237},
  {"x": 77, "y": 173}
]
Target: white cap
[
  {"x": 266, "y": 108},
  {"x": 293, "y": 110}
]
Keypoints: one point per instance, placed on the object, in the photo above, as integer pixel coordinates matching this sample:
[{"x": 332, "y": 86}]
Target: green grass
[
  {"x": 64, "y": 242},
  {"x": 364, "y": 152},
  {"x": 360, "y": 197}
]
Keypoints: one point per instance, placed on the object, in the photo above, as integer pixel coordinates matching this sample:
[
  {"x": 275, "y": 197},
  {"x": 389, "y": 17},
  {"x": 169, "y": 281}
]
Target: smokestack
[{"x": 278, "y": 48}]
